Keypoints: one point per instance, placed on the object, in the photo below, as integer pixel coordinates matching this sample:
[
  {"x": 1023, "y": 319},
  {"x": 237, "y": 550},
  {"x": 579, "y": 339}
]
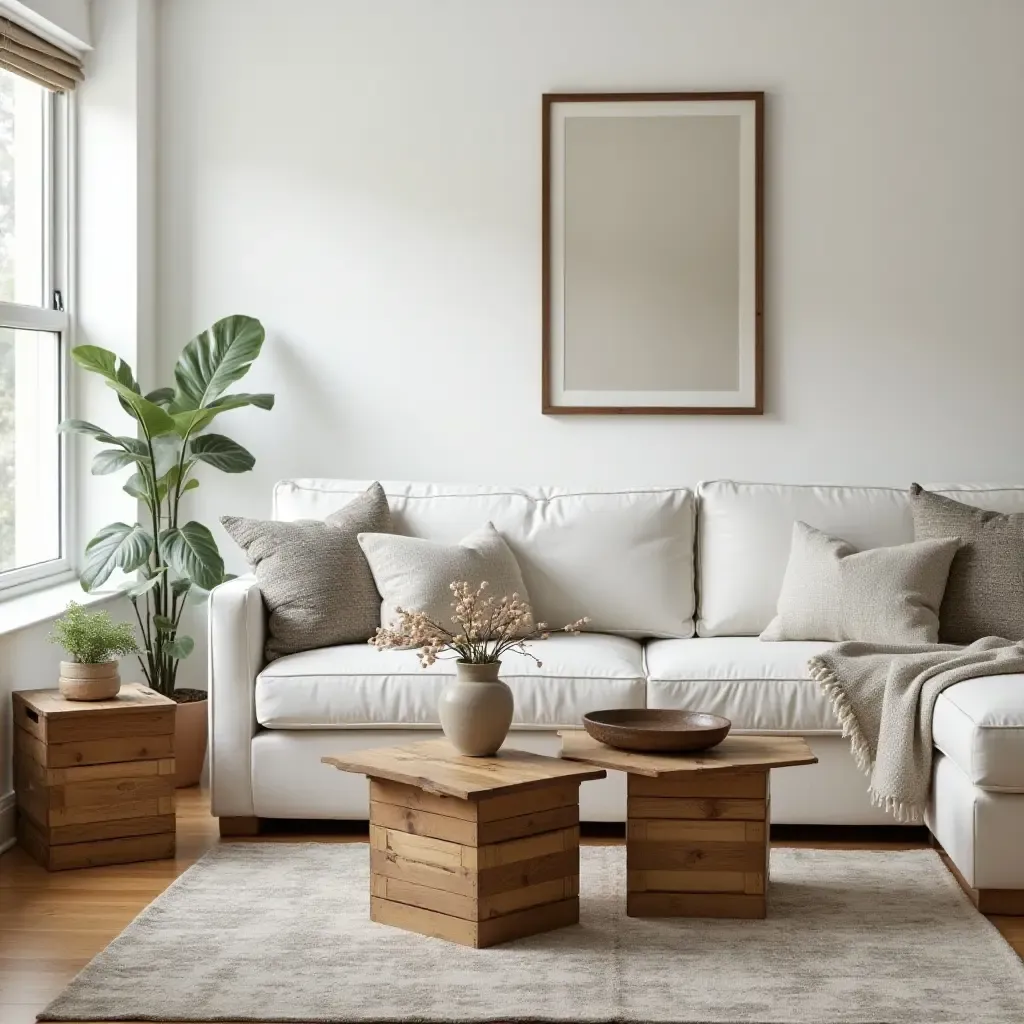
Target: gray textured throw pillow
[
  {"x": 985, "y": 592},
  {"x": 313, "y": 575},
  {"x": 887, "y": 595},
  {"x": 416, "y": 574}
]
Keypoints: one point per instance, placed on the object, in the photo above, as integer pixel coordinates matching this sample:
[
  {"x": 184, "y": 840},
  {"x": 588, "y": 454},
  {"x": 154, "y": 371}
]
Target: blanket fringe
[{"x": 901, "y": 810}]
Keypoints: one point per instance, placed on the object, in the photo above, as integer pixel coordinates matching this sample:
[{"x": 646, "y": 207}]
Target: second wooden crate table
[
  {"x": 94, "y": 780},
  {"x": 696, "y": 824},
  {"x": 475, "y": 850}
]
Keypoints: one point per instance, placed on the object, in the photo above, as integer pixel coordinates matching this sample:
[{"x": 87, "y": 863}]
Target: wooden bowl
[{"x": 656, "y": 729}]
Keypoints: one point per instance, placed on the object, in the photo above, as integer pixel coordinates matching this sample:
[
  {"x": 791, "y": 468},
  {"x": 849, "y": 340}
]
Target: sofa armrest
[{"x": 237, "y": 632}]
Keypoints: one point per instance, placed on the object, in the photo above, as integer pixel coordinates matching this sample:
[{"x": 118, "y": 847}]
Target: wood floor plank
[{"x": 32, "y": 974}]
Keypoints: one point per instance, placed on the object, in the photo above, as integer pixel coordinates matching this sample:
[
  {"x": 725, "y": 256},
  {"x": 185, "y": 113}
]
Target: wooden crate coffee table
[
  {"x": 697, "y": 824},
  {"x": 94, "y": 780},
  {"x": 475, "y": 850}
]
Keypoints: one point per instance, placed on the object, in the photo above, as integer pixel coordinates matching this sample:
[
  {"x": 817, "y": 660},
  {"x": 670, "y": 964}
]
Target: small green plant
[{"x": 92, "y": 638}]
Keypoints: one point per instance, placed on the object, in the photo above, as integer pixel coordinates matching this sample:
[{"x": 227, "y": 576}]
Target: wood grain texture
[
  {"x": 735, "y": 753},
  {"x": 434, "y": 767},
  {"x": 39, "y": 909},
  {"x": 82, "y": 798},
  {"x": 693, "y": 904}
]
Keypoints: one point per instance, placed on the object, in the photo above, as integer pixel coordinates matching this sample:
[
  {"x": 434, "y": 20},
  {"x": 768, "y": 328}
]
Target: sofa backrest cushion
[
  {"x": 624, "y": 558},
  {"x": 744, "y": 532}
]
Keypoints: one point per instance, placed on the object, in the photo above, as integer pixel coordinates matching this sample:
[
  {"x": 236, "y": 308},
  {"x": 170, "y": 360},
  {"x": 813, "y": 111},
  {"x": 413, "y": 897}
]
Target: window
[{"x": 33, "y": 331}]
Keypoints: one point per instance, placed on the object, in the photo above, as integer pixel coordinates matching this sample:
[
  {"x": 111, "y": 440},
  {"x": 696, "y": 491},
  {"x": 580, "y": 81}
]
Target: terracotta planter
[
  {"x": 89, "y": 682},
  {"x": 190, "y": 737},
  {"x": 476, "y": 709}
]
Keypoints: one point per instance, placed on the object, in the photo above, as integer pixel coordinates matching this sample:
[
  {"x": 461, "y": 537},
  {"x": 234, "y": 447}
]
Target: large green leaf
[
  {"x": 137, "y": 588},
  {"x": 191, "y": 551},
  {"x": 180, "y": 647},
  {"x": 90, "y": 429},
  {"x": 161, "y": 396},
  {"x": 155, "y": 419},
  {"x": 135, "y": 485},
  {"x": 215, "y": 359},
  {"x": 192, "y": 420},
  {"x": 117, "y": 546},
  {"x": 262, "y": 400},
  {"x": 125, "y": 377},
  {"x": 110, "y": 460},
  {"x": 96, "y": 360},
  {"x": 222, "y": 453}
]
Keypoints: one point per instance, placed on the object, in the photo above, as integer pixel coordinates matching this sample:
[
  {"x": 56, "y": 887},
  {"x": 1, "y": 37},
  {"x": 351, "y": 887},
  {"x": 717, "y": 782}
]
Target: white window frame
[{"x": 58, "y": 275}]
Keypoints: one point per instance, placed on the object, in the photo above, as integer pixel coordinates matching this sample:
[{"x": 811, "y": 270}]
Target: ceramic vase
[
  {"x": 190, "y": 738},
  {"x": 79, "y": 681},
  {"x": 476, "y": 709}
]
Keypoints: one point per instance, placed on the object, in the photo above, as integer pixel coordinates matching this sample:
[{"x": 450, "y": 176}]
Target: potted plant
[
  {"x": 476, "y": 707},
  {"x": 95, "y": 643},
  {"x": 174, "y": 559}
]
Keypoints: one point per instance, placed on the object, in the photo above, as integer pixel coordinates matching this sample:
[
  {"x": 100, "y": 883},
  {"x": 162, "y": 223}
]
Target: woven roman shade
[{"x": 26, "y": 54}]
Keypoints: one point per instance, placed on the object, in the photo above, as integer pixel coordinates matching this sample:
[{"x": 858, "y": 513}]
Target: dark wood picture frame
[{"x": 550, "y": 100}]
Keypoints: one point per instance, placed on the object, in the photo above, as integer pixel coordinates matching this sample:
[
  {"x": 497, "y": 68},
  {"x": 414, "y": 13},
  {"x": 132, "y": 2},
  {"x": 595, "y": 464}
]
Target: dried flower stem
[{"x": 484, "y": 628}]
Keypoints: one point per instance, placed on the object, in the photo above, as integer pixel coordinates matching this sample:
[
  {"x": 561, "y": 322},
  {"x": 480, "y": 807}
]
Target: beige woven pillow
[
  {"x": 416, "y": 574},
  {"x": 985, "y": 592},
  {"x": 313, "y": 575},
  {"x": 887, "y": 595}
]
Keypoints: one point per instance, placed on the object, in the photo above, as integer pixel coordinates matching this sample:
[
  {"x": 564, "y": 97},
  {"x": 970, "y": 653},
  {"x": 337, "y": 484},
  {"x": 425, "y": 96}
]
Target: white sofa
[{"x": 680, "y": 583}]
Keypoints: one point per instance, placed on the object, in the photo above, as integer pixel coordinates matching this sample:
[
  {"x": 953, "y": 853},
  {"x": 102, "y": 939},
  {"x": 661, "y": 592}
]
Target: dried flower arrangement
[{"x": 484, "y": 628}]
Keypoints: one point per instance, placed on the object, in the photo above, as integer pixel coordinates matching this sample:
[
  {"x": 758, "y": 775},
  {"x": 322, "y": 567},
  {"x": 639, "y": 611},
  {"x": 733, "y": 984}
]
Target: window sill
[{"x": 40, "y": 605}]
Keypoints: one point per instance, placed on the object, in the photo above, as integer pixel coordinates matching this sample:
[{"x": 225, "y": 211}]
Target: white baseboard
[{"x": 6, "y": 821}]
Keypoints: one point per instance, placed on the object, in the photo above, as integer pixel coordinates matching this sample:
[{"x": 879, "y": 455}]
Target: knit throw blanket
[{"x": 884, "y": 695}]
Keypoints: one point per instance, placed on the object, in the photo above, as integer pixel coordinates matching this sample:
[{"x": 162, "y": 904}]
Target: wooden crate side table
[
  {"x": 94, "y": 781},
  {"x": 697, "y": 826},
  {"x": 475, "y": 850}
]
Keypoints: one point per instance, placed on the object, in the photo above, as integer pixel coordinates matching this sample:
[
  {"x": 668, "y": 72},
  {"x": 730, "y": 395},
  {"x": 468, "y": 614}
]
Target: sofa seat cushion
[
  {"x": 979, "y": 725},
  {"x": 355, "y": 686},
  {"x": 757, "y": 686}
]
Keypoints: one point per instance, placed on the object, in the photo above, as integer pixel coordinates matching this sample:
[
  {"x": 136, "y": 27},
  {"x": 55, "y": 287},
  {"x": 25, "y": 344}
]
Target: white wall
[{"x": 365, "y": 178}]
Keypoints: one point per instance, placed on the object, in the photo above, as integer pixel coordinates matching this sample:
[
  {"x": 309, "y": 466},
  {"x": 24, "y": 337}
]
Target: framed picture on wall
[{"x": 653, "y": 252}]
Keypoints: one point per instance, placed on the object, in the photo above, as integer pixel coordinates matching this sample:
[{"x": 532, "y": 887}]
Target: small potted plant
[
  {"x": 476, "y": 707},
  {"x": 95, "y": 643}
]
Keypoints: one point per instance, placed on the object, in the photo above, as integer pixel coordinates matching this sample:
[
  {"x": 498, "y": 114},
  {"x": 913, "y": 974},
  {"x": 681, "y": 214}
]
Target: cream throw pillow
[
  {"x": 417, "y": 574},
  {"x": 887, "y": 595}
]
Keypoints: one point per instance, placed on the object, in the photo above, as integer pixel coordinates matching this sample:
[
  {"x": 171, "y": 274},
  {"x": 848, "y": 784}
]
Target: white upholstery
[
  {"x": 356, "y": 686},
  {"x": 237, "y": 627},
  {"x": 982, "y": 831},
  {"x": 623, "y": 558},
  {"x": 979, "y": 725},
  {"x": 744, "y": 533},
  {"x": 756, "y": 685}
]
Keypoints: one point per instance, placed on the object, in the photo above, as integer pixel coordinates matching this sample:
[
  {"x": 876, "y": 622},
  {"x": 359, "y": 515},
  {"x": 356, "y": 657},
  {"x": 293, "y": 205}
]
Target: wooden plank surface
[
  {"x": 688, "y": 904},
  {"x": 434, "y": 767},
  {"x": 528, "y": 824},
  {"x": 641, "y": 856},
  {"x": 734, "y": 753},
  {"x": 751, "y": 785},
  {"x": 91, "y": 752},
  {"x": 48, "y": 716},
  {"x": 711, "y": 808}
]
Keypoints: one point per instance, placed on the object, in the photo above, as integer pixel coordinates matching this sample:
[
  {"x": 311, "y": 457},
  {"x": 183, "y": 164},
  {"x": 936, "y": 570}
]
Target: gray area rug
[{"x": 269, "y": 932}]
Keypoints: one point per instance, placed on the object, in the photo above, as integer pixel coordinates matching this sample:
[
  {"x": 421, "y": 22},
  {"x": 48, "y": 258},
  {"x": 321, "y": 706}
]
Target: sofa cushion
[
  {"x": 356, "y": 686},
  {"x": 623, "y": 558},
  {"x": 979, "y": 725},
  {"x": 757, "y": 686},
  {"x": 744, "y": 536}
]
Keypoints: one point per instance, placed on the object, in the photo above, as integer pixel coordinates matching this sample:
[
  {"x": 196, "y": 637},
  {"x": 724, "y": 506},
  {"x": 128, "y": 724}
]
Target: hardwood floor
[{"x": 52, "y": 924}]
